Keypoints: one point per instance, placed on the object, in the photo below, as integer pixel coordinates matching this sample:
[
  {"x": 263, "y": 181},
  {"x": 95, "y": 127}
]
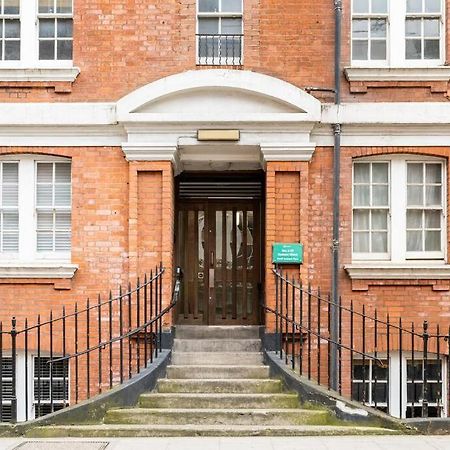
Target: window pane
[
  {"x": 46, "y": 6},
  {"x": 44, "y": 220},
  {"x": 208, "y": 26},
  {"x": 379, "y": 242},
  {"x": 431, "y": 49},
  {"x": 413, "y": 6},
  {"x": 415, "y": 195},
  {"x": 44, "y": 241},
  {"x": 415, "y": 173},
  {"x": 231, "y": 26},
  {"x": 379, "y": 6},
  {"x": 12, "y": 50},
  {"x": 361, "y": 220},
  {"x": 380, "y": 196},
  {"x": 433, "y": 195},
  {"x": 362, "y": 173},
  {"x": 413, "y": 27},
  {"x": 47, "y": 50},
  {"x": 433, "y": 173},
  {"x": 44, "y": 172},
  {"x": 414, "y": 371},
  {"x": 62, "y": 195},
  {"x": 379, "y": 393},
  {"x": 379, "y": 220},
  {"x": 432, "y": 219},
  {"x": 360, "y": 28},
  {"x": 360, "y": 50},
  {"x": 414, "y": 241},
  {"x": 64, "y": 50},
  {"x": 378, "y": 28},
  {"x": 432, "y": 6},
  {"x": 208, "y": 5},
  {"x": 10, "y": 220},
  {"x": 44, "y": 195},
  {"x": 10, "y": 195},
  {"x": 413, "y": 49},
  {"x": 62, "y": 173},
  {"x": 65, "y": 28},
  {"x": 62, "y": 220},
  {"x": 431, "y": 27},
  {"x": 378, "y": 50},
  {"x": 414, "y": 219},
  {"x": 10, "y": 173},
  {"x": 64, "y": 6},
  {"x": 432, "y": 241},
  {"x": 232, "y": 6},
  {"x": 46, "y": 28},
  {"x": 362, "y": 196},
  {"x": 380, "y": 173},
  {"x": 12, "y": 29},
  {"x": 361, "y": 6},
  {"x": 62, "y": 241},
  {"x": 12, "y": 6},
  {"x": 380, "y": 372},
  {"x": 361, "y": 242}
]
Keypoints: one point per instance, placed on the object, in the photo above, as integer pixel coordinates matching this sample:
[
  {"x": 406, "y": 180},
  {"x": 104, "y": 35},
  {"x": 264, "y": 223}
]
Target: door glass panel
[{"x": 201, "y": 262}]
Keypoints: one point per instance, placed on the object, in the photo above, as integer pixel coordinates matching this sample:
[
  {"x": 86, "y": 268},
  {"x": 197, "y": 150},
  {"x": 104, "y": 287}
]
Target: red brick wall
[{"x": 121, "y": 46}]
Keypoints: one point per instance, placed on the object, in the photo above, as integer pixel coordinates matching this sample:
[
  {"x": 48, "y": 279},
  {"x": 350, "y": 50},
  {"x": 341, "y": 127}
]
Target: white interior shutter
[{"x": 10, "y": 207}]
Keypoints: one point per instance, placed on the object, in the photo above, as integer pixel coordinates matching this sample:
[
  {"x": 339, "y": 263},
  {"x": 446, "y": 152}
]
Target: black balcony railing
[
  {"x": 220, "y": 49},
  {"x": 400, "y": 368},
  {"x": 69, "y": 357}
]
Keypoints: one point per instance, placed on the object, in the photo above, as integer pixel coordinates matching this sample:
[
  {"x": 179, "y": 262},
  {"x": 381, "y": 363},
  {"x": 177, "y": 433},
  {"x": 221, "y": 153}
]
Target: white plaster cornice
[
  {"x": 150, "y": 152},
  {"x": 381, "y": 74},
  {"x": 56, "y": 74},
  {"x": 380, "y": 271},
  {"x": 287, "y": 152},
  {"x": 37, "y": 270}
]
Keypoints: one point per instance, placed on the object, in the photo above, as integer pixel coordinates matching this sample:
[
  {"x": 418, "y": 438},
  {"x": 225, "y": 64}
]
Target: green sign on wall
[{"x": 287, "y": 253}]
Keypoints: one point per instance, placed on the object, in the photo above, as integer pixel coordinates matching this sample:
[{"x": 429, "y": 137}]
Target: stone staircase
[{"x": 217, "y": 385}]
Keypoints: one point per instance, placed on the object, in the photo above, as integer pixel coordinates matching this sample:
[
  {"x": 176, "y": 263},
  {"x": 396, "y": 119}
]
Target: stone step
[
  {"x": 230, "y": 385},
  {"x": 217, "y": 345},
  {"x": 96, "y": 431},
  {"x": 184, "y": 400},
  {"x": 217, "y": 332},
  {"x": 217, "y": 358},
  {"x": 205, "y": 372},
  {"x": 228, "y": 417}
]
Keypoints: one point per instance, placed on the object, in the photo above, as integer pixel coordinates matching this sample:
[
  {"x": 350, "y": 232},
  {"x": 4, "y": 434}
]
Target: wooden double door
[{"x": 219, "y": 249}]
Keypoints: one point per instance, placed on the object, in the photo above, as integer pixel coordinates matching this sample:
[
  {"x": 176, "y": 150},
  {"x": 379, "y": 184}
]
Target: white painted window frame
[
  {"x": 218, "y": 60},
  {"x": 396, "y": 40},
  {"x": 373, "y": 256},
  {"x": 27, "y": 213},
  {"x": 397, "y": 213},
  {"x": 29, "y": 42},
  {"x": 394, "y": 364}
]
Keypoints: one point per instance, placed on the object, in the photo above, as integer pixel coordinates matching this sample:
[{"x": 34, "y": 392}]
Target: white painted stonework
[{"x": 266, "y": 110}]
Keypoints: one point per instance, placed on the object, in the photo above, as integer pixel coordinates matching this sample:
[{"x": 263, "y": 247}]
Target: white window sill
[
  {"x": 54, "y": 74},
  {"x": 440, "y": 73},
  {"x": 44, "y": 269},
  {"x": 388, "y": 271}
]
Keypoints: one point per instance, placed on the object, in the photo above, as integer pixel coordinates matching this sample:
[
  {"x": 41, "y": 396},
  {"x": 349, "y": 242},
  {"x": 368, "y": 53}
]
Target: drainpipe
[{"x": 334, "y": 356}]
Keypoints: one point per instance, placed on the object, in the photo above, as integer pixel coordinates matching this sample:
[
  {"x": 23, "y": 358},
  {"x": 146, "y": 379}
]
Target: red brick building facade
[{"x": 100, "y": 108}]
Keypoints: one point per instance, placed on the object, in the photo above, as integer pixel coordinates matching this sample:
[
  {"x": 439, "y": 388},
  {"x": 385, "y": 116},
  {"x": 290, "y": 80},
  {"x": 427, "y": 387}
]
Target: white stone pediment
[
  {"x": 215, "y": 100},
  {"x": 218, "y": 95}
]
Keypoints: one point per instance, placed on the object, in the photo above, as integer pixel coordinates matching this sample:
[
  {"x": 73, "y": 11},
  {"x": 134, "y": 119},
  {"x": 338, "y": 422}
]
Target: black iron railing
[
  {"x": 220, "y": 49},
  {"x": 60, "y": 361},
  {"x": 400, "y": 369}
]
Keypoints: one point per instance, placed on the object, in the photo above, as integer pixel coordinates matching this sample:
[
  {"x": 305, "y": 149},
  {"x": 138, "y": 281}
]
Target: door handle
[
  {"x": 200, "y": 275},
  {"x": 212, "y": 263}
]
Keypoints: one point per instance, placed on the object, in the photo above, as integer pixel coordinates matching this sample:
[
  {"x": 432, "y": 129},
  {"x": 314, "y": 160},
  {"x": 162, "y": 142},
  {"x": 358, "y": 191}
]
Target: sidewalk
[{"x": 256, "y": 443}]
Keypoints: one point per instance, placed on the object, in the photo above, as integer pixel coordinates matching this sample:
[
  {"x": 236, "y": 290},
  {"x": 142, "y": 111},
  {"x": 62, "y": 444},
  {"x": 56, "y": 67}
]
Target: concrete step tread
[
  {"x": 219, "y": 395},
  {"x": 219, "y": 380},
  {"x": 203, "y": 430},
  {"x": 218, "y": 366},
  {"x": 220, "y": 410},
  {"x": 221, "y": 340},
  {"x": 216, "y": 358}
]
